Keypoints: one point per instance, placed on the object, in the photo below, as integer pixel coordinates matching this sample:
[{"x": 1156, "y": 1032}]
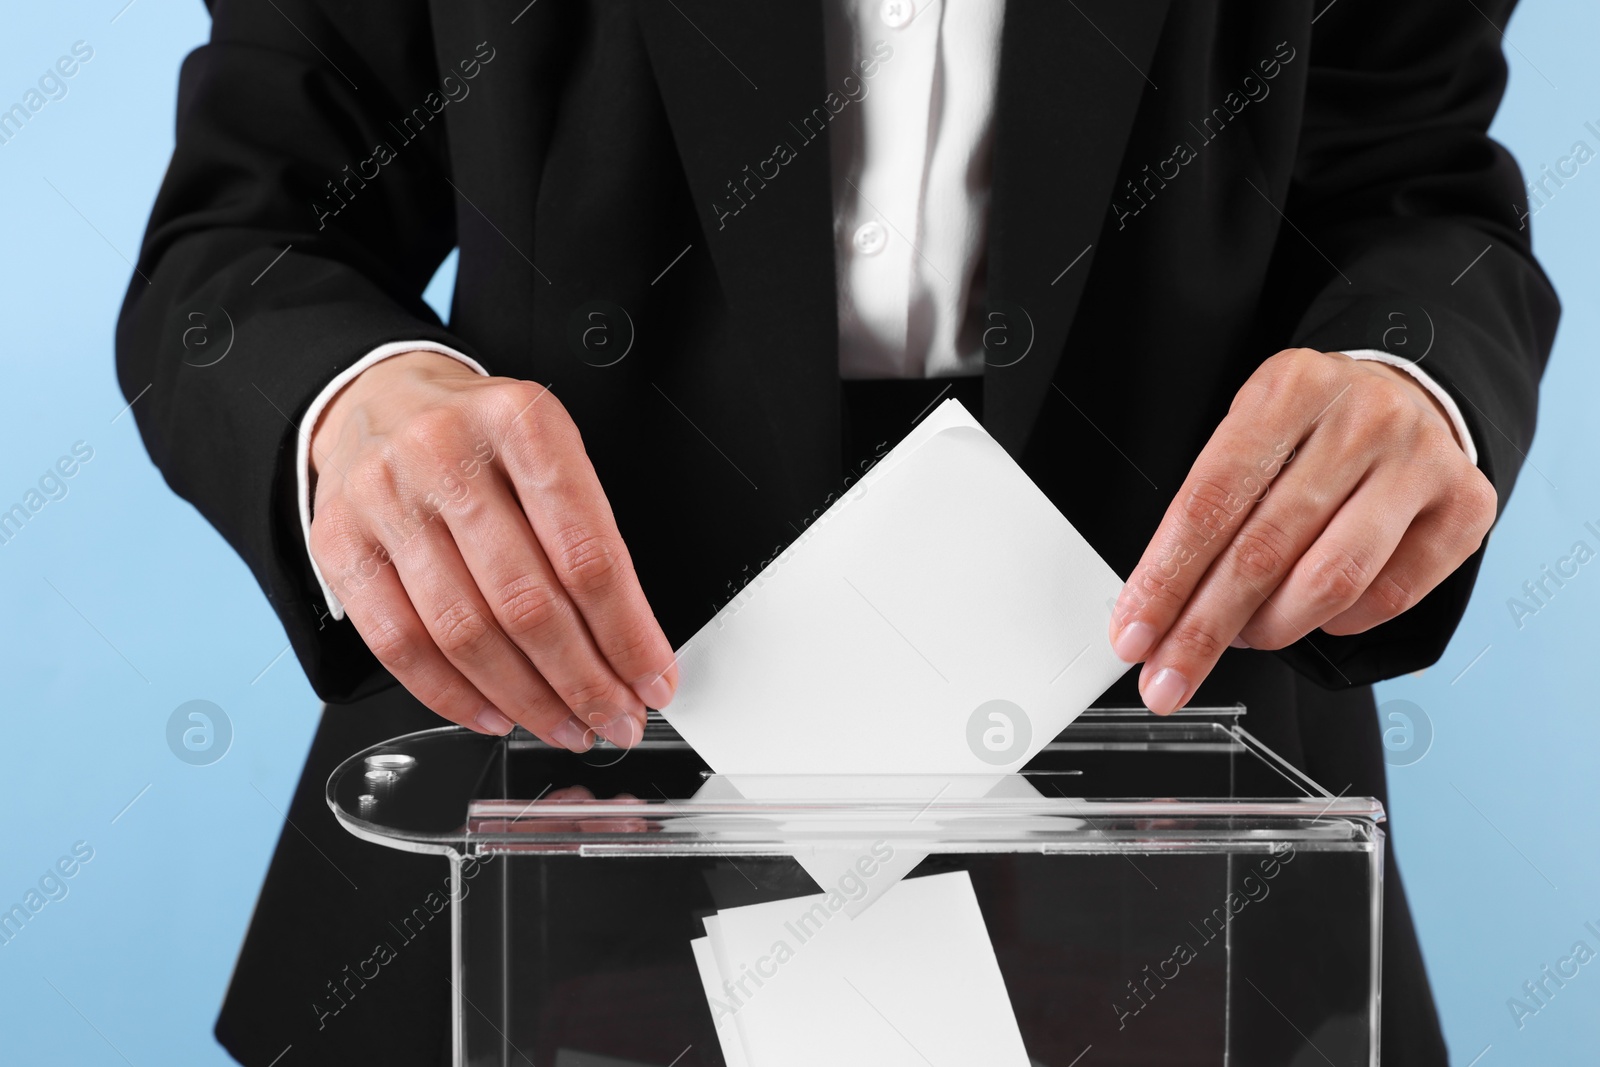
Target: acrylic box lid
[{"x": 1115, "y": 780}]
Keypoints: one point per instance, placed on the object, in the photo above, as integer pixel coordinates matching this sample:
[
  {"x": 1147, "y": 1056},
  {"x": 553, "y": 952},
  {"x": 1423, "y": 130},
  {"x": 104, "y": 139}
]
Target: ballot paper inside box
[{"x": 1145, "y": 891}]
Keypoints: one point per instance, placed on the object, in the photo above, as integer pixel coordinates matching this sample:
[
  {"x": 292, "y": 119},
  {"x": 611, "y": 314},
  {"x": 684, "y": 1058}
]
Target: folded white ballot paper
[
  {"x": 928, "y": 635},
  {"x": 942, "y": 620},
  {"x": 942, "y": 617},
  {"x": 912, "y": 981}
]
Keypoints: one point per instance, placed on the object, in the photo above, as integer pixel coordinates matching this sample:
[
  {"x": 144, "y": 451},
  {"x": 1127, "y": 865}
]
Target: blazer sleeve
[
  {"x": 1413, "y": 223},
  {"x": 267, "y": 244}
]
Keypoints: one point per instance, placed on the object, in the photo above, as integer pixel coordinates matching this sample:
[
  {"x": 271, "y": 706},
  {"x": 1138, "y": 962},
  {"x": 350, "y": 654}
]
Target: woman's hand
[
  {"x": 459, "y": 520},
  {"x": 1372, "y": 503}
]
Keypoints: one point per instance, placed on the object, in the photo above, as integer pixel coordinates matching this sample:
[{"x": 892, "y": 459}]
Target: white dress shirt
[{"x": 911, "y": 179}]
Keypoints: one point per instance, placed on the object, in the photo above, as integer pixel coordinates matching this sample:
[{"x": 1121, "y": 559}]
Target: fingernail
[
  {"x": 621, "y": 730},
  {"x": 1237, "y": 642},
  {"x": 572, "y": 734},
  {"x": 1165, "y": 691},
  {"x": 654, "y": 690},
  {"x": 491, "y": 721},
  {"x": 1134, "y": 642}
]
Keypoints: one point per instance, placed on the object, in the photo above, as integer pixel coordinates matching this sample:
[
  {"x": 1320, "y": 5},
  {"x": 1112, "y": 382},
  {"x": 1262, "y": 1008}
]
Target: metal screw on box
[{"x": 385, "y": 768}]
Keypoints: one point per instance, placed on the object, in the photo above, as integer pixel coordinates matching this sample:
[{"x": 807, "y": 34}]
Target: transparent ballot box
[{"x": 1155, "y": 891}]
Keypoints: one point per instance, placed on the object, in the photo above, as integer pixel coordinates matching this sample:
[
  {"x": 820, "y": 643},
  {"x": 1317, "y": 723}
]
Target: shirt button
[
  {"x": 896, "y": 13},
  {"x": 870, "y": 239}
]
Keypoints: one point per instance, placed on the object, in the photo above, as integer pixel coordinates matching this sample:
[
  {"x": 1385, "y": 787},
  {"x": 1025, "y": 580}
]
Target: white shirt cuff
[
  {"x": 1446, "y": 401},
  {"x": 309, "y": 423}
]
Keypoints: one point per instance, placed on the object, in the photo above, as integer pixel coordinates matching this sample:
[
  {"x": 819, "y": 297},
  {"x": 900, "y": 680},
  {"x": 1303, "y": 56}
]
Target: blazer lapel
[
  {"x": 736, "y": 80},
  {"x": 1071, "y": 77}
]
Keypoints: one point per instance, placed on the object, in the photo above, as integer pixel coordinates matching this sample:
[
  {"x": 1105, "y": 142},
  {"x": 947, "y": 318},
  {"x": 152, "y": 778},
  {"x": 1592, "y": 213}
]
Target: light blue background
[{"x": 120, "y": 603}]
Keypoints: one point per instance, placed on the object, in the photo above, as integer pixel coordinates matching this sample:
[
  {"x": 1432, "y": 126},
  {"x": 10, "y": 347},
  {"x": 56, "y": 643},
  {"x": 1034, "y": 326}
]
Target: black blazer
[{"x": 1179, "y": 190}]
